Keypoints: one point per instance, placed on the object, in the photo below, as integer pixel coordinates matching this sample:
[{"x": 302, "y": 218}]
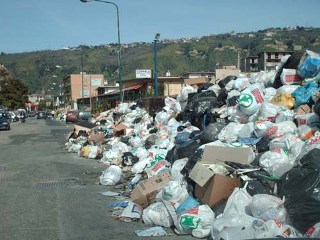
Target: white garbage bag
[
  {"x": 111, "y": 176},
  {"x": 268, "y": 207},
  {"x": 157, "y": 214}
]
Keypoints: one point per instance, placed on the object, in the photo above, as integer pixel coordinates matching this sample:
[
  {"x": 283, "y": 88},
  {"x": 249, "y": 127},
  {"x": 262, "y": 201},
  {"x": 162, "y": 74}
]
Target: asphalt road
[{"x": 47, "y": 193}]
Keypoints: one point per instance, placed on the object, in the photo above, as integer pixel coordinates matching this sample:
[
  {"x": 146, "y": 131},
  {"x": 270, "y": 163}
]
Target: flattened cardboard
[
  {"x": 200, "y": 174},
  {"x": 217, "y": 190},
  {"x": 216, "y": 154},
  {"x": 145, "y": 192}
]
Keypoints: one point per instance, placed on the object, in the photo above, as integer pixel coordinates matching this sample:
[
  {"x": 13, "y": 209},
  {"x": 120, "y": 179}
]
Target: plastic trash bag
[
  {"x": 173, "y": 104},
  {"x": 290, "y": 76},
  {"x": 268, "y": 112},
  {"x": 176, "y": 168},
  {"x": 131, "y": 212},
  {"x": 300, "y": 187},
  {"x": 251, "y": 98},
  {"x": 174, "y": 192},
  {"x": 157, "y": 214},
  {"x": 230, "y": 132},
  {"x": 197, "y": 217},
  {"x": 276, "y": 162},
  {"x": 275, "y": 229},
  {"x": 314, "y": 231},
  {"x": 140, "y": 166},
  {"x": 261, "y": 128},
  {"x": 235, "y": 214},
  {"x": 268, "y": 207},
  {"x": 309, "y": 65},
  {"x": 188, "y": 203},
  {"x": 111, "y": 176},
  {"x": 279, "y": 129},
  {"x": 269, "y": 92},
  {"x": 210, "y": 133},
  {"x": 303, "y": 94}
]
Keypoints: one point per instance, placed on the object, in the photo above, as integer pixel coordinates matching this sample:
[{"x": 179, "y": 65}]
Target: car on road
[
  {"x": 4, "y": 121},
  {"x": 32, "y": 114},
  {"x": 84, "y": 115},
  {"x": 72, "y": 116},
  {"x": 41, "y": 115},
  {"x": 13, "y": 116}
]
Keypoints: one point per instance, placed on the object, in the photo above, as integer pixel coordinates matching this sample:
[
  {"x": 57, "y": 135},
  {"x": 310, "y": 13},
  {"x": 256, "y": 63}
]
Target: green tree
[{"x": 13, "y": 94}]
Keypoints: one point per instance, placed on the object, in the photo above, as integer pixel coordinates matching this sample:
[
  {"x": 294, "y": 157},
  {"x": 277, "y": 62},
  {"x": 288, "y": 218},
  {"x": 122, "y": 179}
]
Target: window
[
  {"x": 276, "y": 55},
  {"x": 269, "y": 55}
]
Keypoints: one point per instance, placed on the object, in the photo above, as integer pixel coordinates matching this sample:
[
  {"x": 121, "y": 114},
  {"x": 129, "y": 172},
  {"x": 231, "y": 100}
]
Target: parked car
[
  {"x": 13, "y": 116},
  {"x": 41, "y": 115},
  {"x": 32, "y": 114},
  {"x": 84, "y": 115},
  {"x": 4, "y": 121},
  {"x": 72, "y": 116}
]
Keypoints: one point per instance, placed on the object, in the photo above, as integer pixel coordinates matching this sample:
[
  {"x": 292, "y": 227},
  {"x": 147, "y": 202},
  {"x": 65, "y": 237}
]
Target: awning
[{"x": 135, "y": 87}]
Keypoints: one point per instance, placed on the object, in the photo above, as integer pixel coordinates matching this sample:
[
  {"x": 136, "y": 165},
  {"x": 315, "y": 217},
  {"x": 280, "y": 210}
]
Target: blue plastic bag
[
  {"x": 188, "y": 203},
  {"x": 303, "y": 94},
  {"x": 309, "y": 65}
]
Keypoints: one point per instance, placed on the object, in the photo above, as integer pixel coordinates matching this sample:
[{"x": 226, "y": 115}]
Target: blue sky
[{"x": 31, "y": 25}]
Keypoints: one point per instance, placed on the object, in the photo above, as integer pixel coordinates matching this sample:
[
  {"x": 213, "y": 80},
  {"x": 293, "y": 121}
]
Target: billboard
[
  {"x": 143, "y": 73},
  {"x": 96, "y": 82}
]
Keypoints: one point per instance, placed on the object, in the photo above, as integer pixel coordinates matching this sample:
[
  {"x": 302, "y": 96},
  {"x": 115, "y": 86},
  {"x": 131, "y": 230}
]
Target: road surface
[{"x": 47, "y": 193}]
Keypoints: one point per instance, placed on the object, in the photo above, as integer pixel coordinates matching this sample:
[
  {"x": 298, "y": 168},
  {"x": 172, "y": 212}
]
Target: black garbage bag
[
  {"x": 187, "y": 149},
  {"x": 195, "y": 135},
  {"x": 137, "y": 120},
  {"x": 128, "y": 159},
  {"x": 223, "y": 82},
  {"x": 316, "y": 107},
  {"x": 263, "y": 144},
  {"x": 301, "y": 188},
  {"x": 291, "y": 63},
  {"x": 150, "y": 141},
  {"x": 194, "y": 96},
  {"x": 195, "y": 157},
  {"x": 210, "y": 133},
  {"x": 223, "y": 95},
  {"x": 116, "y": 116},
  {"x": 205, "y": 86},
  {"x": 182, "y": 137},
  {"x": 125, "y": 139},
  {"x": 256, "y": 187}
]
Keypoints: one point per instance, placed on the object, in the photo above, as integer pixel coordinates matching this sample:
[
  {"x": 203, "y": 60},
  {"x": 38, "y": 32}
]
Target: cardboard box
[
  {"x": 211, "y": 188},
  {"x": 145, "y": 192},
  {"x": 217, "y": 190},
  {"x": 121, "y": 129},
  {"x": 97, "y": 138}
]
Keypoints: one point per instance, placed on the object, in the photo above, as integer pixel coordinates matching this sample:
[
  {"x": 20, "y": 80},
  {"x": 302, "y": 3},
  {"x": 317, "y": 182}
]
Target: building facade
[
  {"x": 271, "y": 59},
  {"x": 80, "y": 86}
]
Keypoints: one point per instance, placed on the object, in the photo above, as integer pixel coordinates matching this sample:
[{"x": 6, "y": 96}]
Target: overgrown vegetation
[{"x": 38, "y": 70}]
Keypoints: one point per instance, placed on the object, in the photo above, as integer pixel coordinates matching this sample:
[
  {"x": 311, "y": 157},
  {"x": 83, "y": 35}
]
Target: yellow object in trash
[{"x": 283, "y": 100}]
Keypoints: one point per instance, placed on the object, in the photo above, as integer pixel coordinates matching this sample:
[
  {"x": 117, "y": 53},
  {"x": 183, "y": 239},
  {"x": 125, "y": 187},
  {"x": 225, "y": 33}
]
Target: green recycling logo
[{"x": 246, "y": 100}]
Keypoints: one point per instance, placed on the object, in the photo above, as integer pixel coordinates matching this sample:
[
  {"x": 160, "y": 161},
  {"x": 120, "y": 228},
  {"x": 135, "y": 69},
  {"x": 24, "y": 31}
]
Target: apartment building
[{"x": 80, "y": 86}]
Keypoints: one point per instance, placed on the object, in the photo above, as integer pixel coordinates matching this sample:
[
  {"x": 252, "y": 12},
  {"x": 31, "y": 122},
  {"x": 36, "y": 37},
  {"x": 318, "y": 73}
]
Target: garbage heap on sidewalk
[{"x": 239, "y": 159}]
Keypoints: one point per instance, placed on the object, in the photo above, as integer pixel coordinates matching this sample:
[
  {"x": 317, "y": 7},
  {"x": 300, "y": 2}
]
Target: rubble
[{"x": 250, "y": 144}]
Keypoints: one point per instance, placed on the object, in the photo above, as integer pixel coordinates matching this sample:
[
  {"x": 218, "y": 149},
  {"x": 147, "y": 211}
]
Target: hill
[{"x": 38, "y": 70}]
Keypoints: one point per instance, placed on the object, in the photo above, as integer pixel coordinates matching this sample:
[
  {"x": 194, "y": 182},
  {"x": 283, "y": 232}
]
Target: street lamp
[
  {"x": 119, "y": 45},
  {"x": 155, "y": 74}
]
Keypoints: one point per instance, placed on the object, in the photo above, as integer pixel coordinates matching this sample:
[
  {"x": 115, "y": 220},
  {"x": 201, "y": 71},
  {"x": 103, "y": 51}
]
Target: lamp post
[
  {"x": 82, "y": 90},
  {"x": 155, "y": 74},
  {"x": 119, "y": 45}
]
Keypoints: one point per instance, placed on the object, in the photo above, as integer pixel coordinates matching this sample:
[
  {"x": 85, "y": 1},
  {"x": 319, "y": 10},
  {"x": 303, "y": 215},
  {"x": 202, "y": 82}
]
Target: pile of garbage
[{"x": 234, "y": 160}]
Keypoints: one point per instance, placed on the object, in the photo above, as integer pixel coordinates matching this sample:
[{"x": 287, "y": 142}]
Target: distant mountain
[{"x": 43, "y": 70}]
